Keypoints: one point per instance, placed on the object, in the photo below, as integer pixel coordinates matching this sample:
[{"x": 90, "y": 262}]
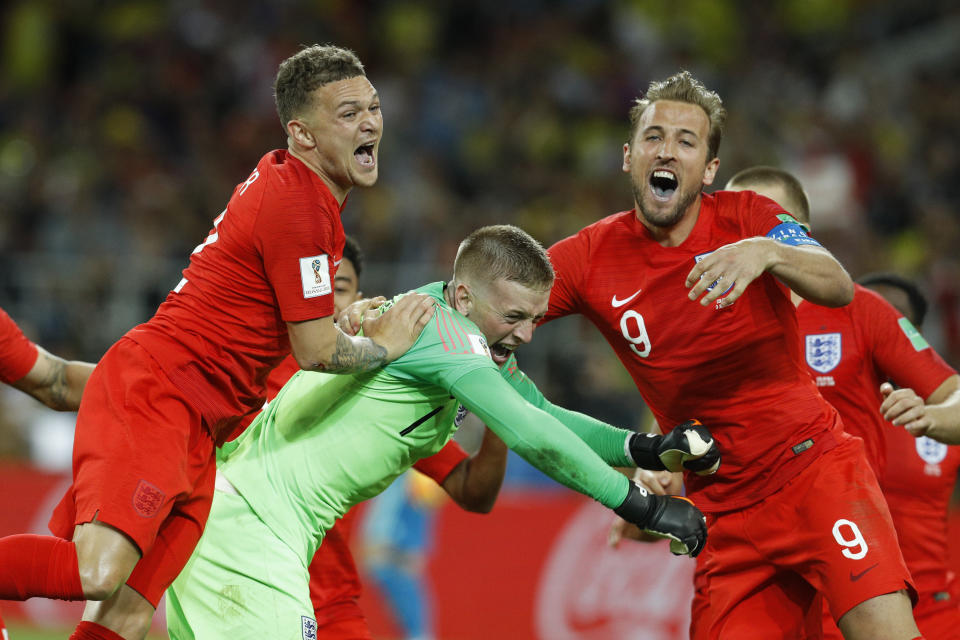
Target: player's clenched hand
[
  {"x": 352, "y": 317},
  {"x": 903, "y": 407},
  {"x": 688, "y": 446},
  {"x": 672, "y": 517},
  {"x": 398, "y": 328},
  {"x": 656, "y": 482},
  {"x": 727, "y": 271}
]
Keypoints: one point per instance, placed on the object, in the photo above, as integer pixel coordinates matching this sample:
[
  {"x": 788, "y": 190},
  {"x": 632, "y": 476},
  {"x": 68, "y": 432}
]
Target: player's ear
[
  {"x": 711, "y": 171},
  {"x": 463, "y": 299},
  {"x": 301, "y": 135},
  {"x": 626, "y": 157}
]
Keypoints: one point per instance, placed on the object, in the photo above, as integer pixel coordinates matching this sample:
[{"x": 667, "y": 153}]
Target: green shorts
[{"x": 242, "y": 582}]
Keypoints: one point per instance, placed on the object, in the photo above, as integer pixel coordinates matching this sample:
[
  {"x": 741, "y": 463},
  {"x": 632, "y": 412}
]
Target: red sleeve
[
  {"x": 899, "y": 351},
  {"x": 567, "y": 257},
  {"x": 762, "y": 213},
  {"x": 17, "y": 353},
  {"x": 300, "y": 239},
  {"x": 439, "y": 465}
]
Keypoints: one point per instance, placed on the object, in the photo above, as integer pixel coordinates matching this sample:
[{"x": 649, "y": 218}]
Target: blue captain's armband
[{"x": 792, "y": 233}]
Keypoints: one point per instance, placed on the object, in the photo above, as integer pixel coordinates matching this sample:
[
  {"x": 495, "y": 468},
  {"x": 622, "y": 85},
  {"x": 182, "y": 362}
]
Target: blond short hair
[{"x": 507, "y": 252}]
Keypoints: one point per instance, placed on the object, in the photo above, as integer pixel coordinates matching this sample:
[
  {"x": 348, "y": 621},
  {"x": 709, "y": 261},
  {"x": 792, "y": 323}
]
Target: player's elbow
[
  {"x": 311, "y": 357},
  {"x": 841, "y": 293},
  {"x": 836, "y": 291},
  {"x": 308, "y": 362}
]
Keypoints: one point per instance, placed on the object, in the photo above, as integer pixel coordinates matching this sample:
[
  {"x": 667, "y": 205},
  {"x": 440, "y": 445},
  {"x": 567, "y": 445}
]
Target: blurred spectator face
[
  {"x": 346, "y": 287},
  {"x": 667, "y": 161},
  {"x": 507, "y": 313},
  {"x": 346, "y": 126},
  {"x": 773, "y": 191}
]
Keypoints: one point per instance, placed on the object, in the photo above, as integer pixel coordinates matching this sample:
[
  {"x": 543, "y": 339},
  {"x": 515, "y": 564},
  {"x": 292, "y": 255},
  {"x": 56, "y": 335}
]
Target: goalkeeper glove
[
  {"x": 689, "y": 446},
  {"x": 672, "y": 517}
]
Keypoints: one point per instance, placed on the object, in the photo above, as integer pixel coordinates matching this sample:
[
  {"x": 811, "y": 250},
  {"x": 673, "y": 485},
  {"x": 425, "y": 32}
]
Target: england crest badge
[{"x": 823, "y": 351}]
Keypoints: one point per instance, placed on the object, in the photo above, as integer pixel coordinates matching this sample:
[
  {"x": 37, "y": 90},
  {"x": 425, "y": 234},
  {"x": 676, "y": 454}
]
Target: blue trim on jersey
[{"x": 791, "y": 233}]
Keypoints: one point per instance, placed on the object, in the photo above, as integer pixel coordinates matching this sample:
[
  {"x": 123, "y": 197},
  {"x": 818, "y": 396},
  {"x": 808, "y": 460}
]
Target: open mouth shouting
[
  {"x": 501, "y": 352},
  {"x": 663, "y": 184},
  {"x": 365, "y": 155}
]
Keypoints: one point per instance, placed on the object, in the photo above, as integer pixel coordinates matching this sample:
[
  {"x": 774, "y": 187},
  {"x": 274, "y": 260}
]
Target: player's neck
[
  {"x": 795, "y": 299},
  {"x": 676, "y": 234},
  {"x": 336, "y": 190},
  {"x": 448, "y": 289}
]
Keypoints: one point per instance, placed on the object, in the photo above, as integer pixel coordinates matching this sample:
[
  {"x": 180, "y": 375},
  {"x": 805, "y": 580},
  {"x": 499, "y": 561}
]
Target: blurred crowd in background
[{"x": 124, "y": 126}]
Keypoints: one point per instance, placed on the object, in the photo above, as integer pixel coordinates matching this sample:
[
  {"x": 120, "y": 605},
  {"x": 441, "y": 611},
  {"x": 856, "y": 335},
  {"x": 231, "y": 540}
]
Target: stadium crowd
[{"x": 123, "y": 129}]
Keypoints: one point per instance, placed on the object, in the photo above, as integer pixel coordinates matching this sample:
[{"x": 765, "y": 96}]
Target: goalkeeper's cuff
[
  {"x": 638, "y": 507},
  {"x": 643, "y": 450}
]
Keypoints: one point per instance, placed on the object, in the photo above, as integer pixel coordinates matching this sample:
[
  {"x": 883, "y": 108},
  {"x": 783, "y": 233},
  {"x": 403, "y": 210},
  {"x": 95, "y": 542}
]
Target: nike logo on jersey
[
  {"x": 619, "y": 303},
  {"x": 336, "y": 263},
  {"x": 856, "y": 576}
]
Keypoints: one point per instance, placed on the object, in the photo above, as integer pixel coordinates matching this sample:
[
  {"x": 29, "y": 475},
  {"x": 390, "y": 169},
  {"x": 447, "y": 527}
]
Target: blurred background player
[
  {"x": 919, "y": 479},
  {"x": 733, "y": 361},
  {"x": 55, "y": 382},
  {"x": 397, "y": 537},
  {"x": 473, "y": 482},
  {"x": 298, "y": 467},
  {"x": 852, "y": 352},
  {"x": 259, "y": 287}
]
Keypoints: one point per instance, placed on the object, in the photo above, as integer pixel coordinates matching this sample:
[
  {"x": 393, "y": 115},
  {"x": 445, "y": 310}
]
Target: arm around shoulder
[{"x": 318, "y": 345}]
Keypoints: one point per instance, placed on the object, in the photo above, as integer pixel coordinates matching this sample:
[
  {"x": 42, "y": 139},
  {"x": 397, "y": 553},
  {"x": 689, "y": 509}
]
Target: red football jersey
[
  {"x": 270, "y": 259},
  {"x": 17, "y": 353},
  {"x": 918, "y": 482},
  {"x": 850, "y": 351},
  {"x": 739, "y": 370}
]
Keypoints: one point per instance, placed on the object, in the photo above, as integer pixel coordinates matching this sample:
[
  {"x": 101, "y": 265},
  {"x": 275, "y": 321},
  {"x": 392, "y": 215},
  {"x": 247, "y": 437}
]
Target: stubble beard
[{"x": 658, "y": 219}]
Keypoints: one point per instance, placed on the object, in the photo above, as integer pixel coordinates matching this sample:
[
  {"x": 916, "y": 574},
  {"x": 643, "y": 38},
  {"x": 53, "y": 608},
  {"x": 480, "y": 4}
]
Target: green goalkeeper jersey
[{"x": 327, "y": 442}]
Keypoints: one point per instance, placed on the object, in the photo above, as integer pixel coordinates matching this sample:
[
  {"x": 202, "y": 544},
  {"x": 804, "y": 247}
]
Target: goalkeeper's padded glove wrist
[
  {"x": 689, "y": 446},
  {"x": 672, "y": 517},
  {"x": 644, "y": 449},
  {"x": 638, "y": 507}
]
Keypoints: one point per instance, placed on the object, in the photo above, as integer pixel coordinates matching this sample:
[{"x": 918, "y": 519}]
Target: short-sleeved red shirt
[
  {"x": 270, "y": 259},
  {"x": 739, "y": 369},
  {"x": 17, "y": 353},
  {"x": 850, "y": 351}
]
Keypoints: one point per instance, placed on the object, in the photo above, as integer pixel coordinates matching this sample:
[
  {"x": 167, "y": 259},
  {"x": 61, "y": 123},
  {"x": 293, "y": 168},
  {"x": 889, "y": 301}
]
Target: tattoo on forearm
[
  {"x": 53, "y": 389},
  {"x": 355, "y": 355}
]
